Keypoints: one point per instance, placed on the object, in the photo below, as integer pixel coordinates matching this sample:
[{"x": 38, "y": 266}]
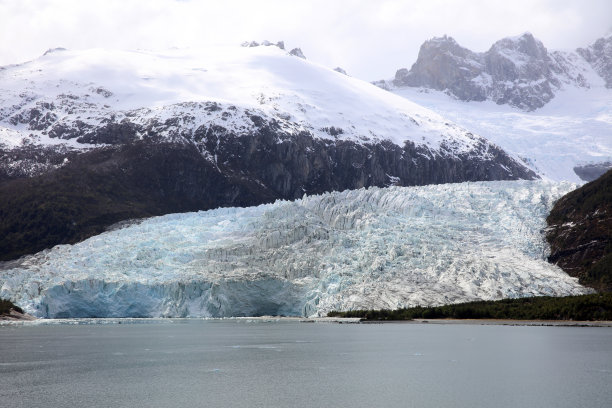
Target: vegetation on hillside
[
  {"x": 100, "y": 188},
  {"x": 6, "y": 306},
  {"x": 586, "y": 307},
  {"x": 580, "y": 233}
]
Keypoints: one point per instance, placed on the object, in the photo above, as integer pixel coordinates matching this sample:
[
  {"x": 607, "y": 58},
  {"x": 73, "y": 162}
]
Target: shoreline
[
  {"x": 25, "y": 319},
  {"x": 501, "y": 322}
]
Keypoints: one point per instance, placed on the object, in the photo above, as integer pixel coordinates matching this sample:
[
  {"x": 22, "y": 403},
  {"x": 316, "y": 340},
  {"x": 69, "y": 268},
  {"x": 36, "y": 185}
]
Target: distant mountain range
[{"x": 518, "y": 71}]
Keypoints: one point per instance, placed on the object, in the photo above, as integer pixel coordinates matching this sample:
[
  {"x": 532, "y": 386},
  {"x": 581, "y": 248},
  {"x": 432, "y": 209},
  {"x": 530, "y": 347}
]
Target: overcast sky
[{"x": 368, "y": 38}]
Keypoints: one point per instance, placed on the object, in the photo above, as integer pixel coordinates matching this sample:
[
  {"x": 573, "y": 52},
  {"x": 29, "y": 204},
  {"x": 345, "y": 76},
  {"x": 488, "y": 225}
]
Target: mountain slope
[
  {"x": 101, "y": 96},
  {"x": 360, "y": 249},
  {"x": 580, "y": 233}
]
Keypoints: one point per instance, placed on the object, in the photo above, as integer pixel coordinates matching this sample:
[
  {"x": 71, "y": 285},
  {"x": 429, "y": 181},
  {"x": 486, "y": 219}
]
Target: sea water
[{"x": 258, "y": 363}]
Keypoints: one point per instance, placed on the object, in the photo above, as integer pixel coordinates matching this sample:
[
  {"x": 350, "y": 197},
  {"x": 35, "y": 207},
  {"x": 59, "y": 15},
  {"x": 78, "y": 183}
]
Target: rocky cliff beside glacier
[{"x": 580, "y": 233}]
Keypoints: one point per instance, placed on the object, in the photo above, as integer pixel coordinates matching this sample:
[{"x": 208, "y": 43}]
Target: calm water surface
[{"x": 195, "y": 363}]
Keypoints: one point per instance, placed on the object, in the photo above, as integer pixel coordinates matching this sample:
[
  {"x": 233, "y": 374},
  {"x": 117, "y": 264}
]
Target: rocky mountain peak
[
  {"x": 265, "y": 43},
  {"x": 444, "y": 43},
  {"x": 297, "y": 52},
  {"x": 518, "y": 71}
]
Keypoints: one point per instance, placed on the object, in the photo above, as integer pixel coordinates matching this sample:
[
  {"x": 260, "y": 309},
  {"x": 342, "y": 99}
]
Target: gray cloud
[{"x": 370, "y": 39}]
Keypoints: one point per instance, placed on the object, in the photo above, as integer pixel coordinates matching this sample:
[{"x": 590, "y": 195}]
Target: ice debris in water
[{"x": 375, "y": 248}]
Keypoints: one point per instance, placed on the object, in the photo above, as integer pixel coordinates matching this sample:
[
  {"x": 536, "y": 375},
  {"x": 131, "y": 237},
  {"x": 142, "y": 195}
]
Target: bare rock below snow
[
  {"x": 297, "y": 52},
  {"x": 599, "y": 55}
]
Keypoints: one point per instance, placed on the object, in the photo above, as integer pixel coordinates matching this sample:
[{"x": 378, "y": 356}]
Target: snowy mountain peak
[
  {"x": 518, "y": 71},
  {"x": 65, "y": 95},
  {"x": 52, "y": 50}
]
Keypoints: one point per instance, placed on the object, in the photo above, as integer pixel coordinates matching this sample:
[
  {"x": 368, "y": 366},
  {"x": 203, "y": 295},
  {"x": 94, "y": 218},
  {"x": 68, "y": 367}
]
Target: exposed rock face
[
  {"x": 11, "y": 312},
  {"x": 518, "y": 71},
  {"x": 580, "y": 233},
  {"x": 340, "y": 70},
  {"x": 297, "y": 52},
  {"x": 599, "y": 55},
  {"x": 265, "y": 43}
]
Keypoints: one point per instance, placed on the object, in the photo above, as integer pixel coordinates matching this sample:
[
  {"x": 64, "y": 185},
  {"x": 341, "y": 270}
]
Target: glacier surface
[{"x": 376, "y": 248}]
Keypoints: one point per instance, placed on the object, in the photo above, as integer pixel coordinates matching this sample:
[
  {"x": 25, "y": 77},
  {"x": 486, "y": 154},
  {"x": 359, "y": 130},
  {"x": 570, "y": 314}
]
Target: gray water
[{"x": 242, "y": 363}]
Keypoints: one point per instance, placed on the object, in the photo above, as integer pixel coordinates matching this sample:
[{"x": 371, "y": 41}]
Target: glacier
[{"x": 370, "y": 248}]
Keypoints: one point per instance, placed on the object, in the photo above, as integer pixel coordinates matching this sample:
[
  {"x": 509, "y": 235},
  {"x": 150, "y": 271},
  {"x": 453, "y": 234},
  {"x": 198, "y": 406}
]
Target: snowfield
[
  {"x": 573, "y": 129},
  {"x": 376, "y": 248}
]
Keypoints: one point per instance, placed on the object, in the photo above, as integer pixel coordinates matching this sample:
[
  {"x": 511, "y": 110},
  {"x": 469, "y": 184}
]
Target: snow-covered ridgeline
[
  {"x": 44, "y": 99},
  {"x": 375, "y": 248}
]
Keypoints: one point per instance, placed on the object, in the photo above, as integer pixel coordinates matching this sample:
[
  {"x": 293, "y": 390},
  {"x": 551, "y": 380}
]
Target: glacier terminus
[{"x": 361, "y": 249}]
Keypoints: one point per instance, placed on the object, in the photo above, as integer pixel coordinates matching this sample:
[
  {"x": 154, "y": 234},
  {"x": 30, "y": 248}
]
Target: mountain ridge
[{"x": 518, "y": 71}]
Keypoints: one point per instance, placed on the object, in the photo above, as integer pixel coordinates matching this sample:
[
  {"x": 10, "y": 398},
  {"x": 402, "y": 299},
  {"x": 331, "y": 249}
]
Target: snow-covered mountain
[
  {"x": 85, "y": 98},
  {"x": 553, "y": 109},
  {"x": 518, "y": 71},
  {"x": 374, "y": 248}
]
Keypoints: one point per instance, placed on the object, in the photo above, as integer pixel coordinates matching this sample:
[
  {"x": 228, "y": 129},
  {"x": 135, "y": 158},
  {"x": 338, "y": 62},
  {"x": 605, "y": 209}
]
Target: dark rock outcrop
[
  {"x": 580, "y": 233},
  {"x": 265, "y": 43},
  {"x": 297, "y": 52},
  {"x": 30, "y": 160}
]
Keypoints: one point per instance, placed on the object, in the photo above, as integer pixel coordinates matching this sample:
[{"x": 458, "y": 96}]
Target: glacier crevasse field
[{"x": 376, "y": 248}]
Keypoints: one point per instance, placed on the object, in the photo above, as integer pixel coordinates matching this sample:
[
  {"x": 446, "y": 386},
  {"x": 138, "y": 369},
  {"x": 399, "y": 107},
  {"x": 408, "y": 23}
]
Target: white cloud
[{"x": 370, "y": 39}]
